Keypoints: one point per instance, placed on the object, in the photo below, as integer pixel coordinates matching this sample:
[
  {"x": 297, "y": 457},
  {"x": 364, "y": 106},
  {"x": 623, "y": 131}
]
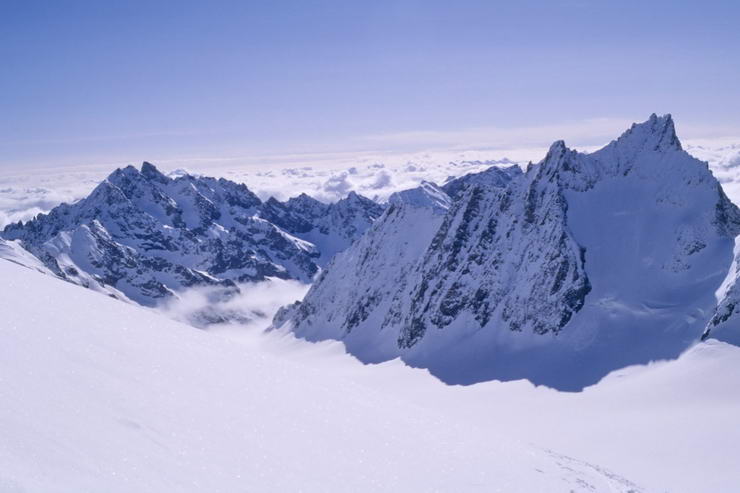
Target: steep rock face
[
  {"x": 584, "y": 264},
  {"x": 143, "y": 236}
]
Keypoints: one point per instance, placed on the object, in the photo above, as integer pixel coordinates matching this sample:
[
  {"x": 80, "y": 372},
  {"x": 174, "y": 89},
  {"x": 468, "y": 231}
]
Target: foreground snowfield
[{"x": 98, "y": 395}]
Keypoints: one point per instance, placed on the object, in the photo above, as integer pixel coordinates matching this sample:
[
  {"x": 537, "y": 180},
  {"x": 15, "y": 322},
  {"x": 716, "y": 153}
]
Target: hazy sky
[{"x": 104, "y": 81}]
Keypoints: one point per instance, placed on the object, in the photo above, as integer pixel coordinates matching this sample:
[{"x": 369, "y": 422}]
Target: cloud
[
  {"x": 251, "y": 306},
  {"x": 23, "y": 204},
  {"x": 382, "y": 180},
  {"x": 26, "y": 192},
  {"x": 329, "y": 177},
  {"x": 338, "y": 185}
]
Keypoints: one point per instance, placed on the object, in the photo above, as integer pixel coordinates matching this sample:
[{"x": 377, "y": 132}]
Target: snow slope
[
  {"x": 100, "y": 395},
  {"x": 671, "y": 426}
]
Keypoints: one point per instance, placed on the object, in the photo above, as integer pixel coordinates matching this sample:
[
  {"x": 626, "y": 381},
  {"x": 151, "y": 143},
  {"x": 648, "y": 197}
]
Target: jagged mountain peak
[
  {"x": 150, "y": 172},
  {"x": 559, "y": 161},
  {"x": 125, "y": 173},
  {"x": 306, "y": 203},
  {"x": 647, "y": 148},
  {"x": 555, "y": 153},
  {"x": 130, "y": 179},
  {"x": 557, "y": 147},
  {"x": 657, "y": 133},
  {"x": 302, "y": 197},
  {"x": 354, "y": 199}
]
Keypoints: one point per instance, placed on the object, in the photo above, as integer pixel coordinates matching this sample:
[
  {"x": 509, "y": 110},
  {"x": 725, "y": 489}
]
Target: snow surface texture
[
  {"x": 104, "y": 396},
  {"x": 585, "y": 264},
  {"x": 146, "y": 237}
]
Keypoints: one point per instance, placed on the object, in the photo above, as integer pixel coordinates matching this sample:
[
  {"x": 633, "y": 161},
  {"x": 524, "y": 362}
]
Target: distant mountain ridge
[
  {"x": 143, "y": 236},
  {"x": 583, "y": 264}
]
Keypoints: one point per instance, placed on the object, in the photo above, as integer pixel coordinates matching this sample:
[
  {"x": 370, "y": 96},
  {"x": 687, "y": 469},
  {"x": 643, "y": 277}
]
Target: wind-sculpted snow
[
  {"x": 584, "y": 264},
  {"x": 143, "y": 236}
]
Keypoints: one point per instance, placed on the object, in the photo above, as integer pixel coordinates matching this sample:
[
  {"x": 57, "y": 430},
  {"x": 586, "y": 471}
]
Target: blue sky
[{"x": 86, "y": 82}]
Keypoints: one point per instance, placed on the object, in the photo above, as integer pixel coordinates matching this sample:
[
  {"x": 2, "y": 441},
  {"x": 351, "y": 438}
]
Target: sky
[{"x": 90, "y": 82}]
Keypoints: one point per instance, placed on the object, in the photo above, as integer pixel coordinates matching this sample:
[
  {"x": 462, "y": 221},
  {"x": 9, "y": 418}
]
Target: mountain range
[
  {"x": 145, "y": 237},
  {"x": 582, "y": 264}
]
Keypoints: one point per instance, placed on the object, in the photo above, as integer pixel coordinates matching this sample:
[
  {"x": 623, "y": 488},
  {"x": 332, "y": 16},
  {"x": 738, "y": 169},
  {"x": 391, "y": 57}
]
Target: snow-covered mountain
[
  {"x": 583, "y": 264},
  {"x": 143, "y": 236}
]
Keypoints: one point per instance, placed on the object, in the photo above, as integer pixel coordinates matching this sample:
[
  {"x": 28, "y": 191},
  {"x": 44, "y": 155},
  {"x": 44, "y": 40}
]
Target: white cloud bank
[
  {"x": 25, "y": 192},
  {"x": 251, "y": 307}
]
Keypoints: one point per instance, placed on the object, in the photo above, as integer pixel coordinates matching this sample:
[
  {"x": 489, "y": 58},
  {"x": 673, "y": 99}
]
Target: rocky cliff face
[
  {"x": 143, "y": 236},
  {"x": 583, "y": 264}
]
